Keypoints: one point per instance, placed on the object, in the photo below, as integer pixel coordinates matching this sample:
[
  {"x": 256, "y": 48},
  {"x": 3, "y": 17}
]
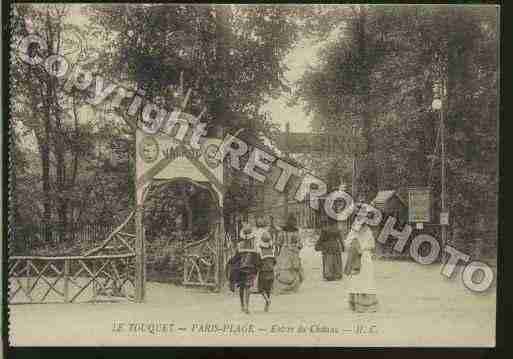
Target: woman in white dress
[{"x": 360, "y": 244}]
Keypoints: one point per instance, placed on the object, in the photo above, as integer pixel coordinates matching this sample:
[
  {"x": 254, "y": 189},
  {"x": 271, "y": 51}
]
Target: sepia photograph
[{"x": 300, "y": 175}]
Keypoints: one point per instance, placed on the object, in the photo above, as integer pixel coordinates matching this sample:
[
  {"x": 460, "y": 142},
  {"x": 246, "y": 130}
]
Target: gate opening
[{"x": 177, "y": 214}]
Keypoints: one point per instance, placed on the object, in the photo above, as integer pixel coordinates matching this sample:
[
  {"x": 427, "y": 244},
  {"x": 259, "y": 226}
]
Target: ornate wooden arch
[{"x": 157, "y": 170}]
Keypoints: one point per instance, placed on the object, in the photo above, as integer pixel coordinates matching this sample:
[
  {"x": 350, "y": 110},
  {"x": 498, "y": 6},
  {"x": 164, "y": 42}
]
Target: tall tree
[
  {"x": 65, "y": 136},
  {"x": 388, "y": 61},
  {"x": 40, "y": 102},
  {"x": 231, "y": 56}
]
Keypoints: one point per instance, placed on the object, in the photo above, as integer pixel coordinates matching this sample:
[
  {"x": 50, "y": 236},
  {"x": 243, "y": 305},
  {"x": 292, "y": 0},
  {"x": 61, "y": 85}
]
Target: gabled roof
[{"x": 266, "y": 147}]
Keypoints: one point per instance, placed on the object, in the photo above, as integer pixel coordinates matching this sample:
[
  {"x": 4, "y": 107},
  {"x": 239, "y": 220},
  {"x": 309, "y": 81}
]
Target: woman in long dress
[
  {"x": 330, "y": 244},
  {"x": 289, "y": 271},
  {"x": 360, "y": 267}
]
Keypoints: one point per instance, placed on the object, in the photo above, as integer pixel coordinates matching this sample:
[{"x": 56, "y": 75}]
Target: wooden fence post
[
  {"x": 139, "y": 259},
  {"x": 66, "y": 280},
  {"x": 93, "y": 283},
  {"x": 29, "y": 282},
  {"x": 220, "y": 238}
]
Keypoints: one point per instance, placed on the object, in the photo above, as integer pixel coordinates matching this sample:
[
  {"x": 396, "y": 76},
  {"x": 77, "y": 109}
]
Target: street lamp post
[
  {"x": 443, "y": 216},
  {"x": 354, "y": 178},
  {"x": 439, "y": 104}
]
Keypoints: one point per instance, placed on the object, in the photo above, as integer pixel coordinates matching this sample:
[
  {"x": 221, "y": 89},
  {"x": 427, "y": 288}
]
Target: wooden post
[
  {"x": 221, "y": 255},
  {"x": 139, "y": 259},
  {"x": 29, "y": 282},
  {"x": 184, "y": 267},
  {"x": 218, "y": 258},
  {"x": 93, "y": 283},
  {"x": 66, "y": 280},
  {"x": 285, "y": 191}
]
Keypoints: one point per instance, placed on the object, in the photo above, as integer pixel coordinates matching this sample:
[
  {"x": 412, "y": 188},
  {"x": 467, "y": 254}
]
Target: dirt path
[{"x": 417, "y": 306}]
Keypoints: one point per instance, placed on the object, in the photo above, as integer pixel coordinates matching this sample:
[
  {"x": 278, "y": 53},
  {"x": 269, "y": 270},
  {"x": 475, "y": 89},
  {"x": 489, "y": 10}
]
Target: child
[
  {"x": 266, "y": 268},
  {"x": 247, "y": 268}
]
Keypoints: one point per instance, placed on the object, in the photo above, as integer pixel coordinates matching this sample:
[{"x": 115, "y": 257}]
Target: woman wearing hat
[
  {"x": 360, "y": 267},
  {"x": 289, "y": 271},
  {"x": 266, "y": 268},
  {"x": 247, "y": 269},
  {"x": 330, "y": 244}
]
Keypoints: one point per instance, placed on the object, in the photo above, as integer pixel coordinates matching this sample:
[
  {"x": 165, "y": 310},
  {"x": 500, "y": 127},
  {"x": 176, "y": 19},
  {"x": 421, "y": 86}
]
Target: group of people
[
  {"x": 269, "y": 258},
  {"x": 358, "y": 243}
]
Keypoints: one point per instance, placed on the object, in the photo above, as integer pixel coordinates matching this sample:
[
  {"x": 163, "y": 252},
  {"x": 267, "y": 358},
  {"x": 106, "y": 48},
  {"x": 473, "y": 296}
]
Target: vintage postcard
[{"x": 253, "y": 175}]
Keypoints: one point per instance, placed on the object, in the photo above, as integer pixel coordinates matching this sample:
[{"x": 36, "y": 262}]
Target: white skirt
[{"x": 363, "y": 282}]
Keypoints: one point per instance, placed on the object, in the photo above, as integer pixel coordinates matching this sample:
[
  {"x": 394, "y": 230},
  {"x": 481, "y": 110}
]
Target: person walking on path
[
  {"x": 267, "y": 261},
  {"x": 360, "y": 267},
  {"x": 245, "y": 264},
  {"x": 289, "y": 271},
  {"x": 331, "y": 246}
]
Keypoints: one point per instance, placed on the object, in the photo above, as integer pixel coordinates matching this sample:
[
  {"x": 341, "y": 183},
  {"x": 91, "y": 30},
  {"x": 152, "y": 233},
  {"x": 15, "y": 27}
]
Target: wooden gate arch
[{"x": 162, "y": 159}]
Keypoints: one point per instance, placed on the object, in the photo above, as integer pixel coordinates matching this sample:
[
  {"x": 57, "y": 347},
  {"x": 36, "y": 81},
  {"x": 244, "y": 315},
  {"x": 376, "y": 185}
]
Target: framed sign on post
[
  {"x": 419, "y": 205},
  {"x": 444, "y": 218}
]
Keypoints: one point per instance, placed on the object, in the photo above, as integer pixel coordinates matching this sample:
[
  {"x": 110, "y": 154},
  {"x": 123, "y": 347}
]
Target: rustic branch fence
[{"x": 104, "y": 273}]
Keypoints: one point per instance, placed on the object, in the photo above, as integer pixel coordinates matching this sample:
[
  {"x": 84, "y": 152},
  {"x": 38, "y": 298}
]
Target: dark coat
[
  {"x": 289, "y": 228},
  {"x": 240, "y": 266},
  {"x": 266, "y": 264},
  {"x": 330, "y": 242}
]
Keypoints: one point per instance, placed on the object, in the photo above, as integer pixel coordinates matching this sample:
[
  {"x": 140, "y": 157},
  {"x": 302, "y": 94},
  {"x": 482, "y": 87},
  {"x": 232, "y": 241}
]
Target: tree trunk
[
  {"x": 47, "y": 204},
  {"x": 218, "y": 104},
  {"x": 368, "y": 164},
  {"x": 45, "y": 164}
]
